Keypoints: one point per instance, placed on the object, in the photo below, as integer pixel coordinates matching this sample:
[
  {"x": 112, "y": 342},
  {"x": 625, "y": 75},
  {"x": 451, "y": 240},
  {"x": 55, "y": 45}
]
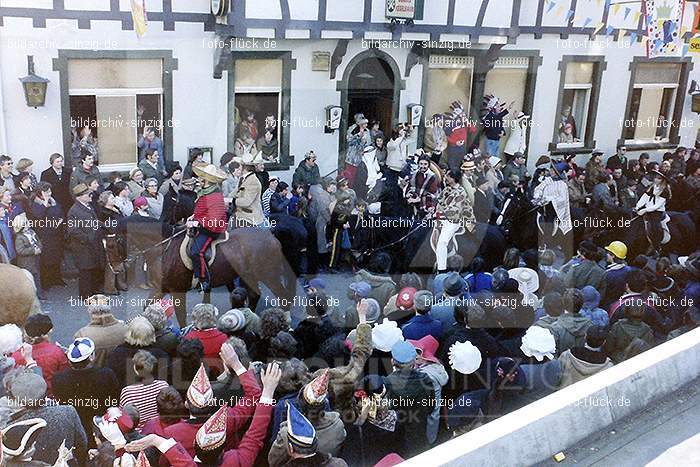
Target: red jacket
[
  {"x": 210, "y": 212},
  {"x": 243, "y": 456},
  {"x": 212, "y": 340},
  {"x": 185, "y": 431},
  {"x": 49, "y": 357}
]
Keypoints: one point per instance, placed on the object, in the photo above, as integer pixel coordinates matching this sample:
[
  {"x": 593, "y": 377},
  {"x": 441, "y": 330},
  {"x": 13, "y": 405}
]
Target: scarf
[{"x": 213, "y": 188}]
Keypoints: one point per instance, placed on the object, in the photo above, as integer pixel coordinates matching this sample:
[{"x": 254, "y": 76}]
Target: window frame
[
  {"x": 673, "y": 139},
  {"x": 588, "y": 143},
  {"x": 284, "y": 130},
  {"x": 169, "y": 64}
]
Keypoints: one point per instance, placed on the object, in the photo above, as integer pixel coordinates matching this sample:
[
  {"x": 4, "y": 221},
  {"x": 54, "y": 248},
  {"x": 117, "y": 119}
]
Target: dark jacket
[
  {"x": 60, "y": 186},
  {"x": 278, "y": 204},
  {"x": 62, "y": 425},
  {"x": 483, "y": 205},
  {"x": 85, "y": 237},
  {"x": 622, "y": 334},
  {"x": 304, "y": 175},
  {"x": 585, "y": 273},
  {"x": 96, "y": 384},
  {"x": 411, "y": 394}
]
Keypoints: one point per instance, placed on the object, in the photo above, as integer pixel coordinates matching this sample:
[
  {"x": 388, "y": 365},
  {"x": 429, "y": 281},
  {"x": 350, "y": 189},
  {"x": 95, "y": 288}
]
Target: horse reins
[{"x": 136, "y": 254}]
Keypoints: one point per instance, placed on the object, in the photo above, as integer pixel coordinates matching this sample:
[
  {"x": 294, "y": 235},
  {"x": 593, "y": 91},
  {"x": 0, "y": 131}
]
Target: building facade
[{"x": 577, "y": 67}]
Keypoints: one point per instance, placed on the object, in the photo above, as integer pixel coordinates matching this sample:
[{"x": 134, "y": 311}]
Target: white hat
[
  {"x": 528, "y": 280},
  {"x": 538, "y": 342},
  {"x": 494, "y": 161},
  {"x": 464, "y": 357},
  {"x": 385, "y": 335},
  {"x": 81, "y": 349}
]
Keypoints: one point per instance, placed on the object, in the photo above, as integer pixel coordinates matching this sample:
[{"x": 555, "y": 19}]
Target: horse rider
[
  {"x": 208, "y": 221},
  {"x": 652, "y": 206},
  {"x": 453, "y": 212},
  {"x": 552, "y": 197}
]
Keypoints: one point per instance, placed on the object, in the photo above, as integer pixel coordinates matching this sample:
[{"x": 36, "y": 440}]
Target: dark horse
[{"x": 251, "y": 255}]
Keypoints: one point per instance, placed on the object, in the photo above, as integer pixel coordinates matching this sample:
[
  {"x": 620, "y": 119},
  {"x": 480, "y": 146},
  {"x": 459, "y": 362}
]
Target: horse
[
  {"x": 18, "y": 300},
  {"x": 682, "y": 229},
  {"x": 250, "y": 254}
]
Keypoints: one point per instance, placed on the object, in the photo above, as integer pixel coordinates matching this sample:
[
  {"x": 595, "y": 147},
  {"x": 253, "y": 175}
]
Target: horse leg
[{"x": 180, "y": 304}]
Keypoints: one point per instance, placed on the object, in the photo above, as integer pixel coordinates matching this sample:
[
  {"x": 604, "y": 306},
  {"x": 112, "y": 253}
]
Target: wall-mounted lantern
[
  {"x": 415, "y": 113},
  {"x": 34, "y": 86}
]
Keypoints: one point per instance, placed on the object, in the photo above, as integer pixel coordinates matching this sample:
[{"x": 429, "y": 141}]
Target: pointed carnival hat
[
  {"x": 200, "y": 393},
  {"x": 316, "y": 391},
  {"x": 212, "y": 434},
  {"x": 300, "y": 432},
  {"x": 142, "y": 460}
]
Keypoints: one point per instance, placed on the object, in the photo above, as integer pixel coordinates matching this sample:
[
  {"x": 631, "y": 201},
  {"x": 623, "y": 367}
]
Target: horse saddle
[{"x": 186, "y": 247}]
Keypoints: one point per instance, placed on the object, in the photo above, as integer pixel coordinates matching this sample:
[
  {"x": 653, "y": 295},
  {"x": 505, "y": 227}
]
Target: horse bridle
[{"x": 132, "y": 257}]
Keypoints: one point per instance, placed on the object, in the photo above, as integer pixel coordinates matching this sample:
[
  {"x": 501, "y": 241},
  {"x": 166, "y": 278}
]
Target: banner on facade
[
  {"x": 694, "y": 45},
  {"x": 138, "y": 16},
  {"x": 404, "y": 9},
  {"x": 664, "y": 19}
]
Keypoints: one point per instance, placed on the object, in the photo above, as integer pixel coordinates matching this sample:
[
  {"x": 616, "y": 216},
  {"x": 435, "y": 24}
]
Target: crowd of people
[{"x": 413, "y": 361}]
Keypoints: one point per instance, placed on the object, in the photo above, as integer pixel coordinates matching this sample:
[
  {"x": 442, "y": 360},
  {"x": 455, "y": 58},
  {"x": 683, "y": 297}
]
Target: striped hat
[
  {"x": 81, "y": 349},
  {"x": 300, "y": 432}
]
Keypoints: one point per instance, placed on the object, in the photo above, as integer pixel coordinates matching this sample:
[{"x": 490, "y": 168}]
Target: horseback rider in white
[{"x": 652, "y": 206}]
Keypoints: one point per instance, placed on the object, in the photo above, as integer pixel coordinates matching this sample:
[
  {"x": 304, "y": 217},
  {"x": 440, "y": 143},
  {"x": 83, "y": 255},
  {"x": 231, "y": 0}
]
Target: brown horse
[
  {"x": 252, "y": 255},
  {"x": 18, "y": 300}
]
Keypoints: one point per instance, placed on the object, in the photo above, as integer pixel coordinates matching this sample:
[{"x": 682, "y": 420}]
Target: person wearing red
[
  {"x": 204, "y": 328},
  {"x": 211, "y": 438},
  {"x": 171, "y": 408},
  {"x": 208, "y": 221},
  {"x": 50, "y": 357},
  {"x": 201, "y": 403}
]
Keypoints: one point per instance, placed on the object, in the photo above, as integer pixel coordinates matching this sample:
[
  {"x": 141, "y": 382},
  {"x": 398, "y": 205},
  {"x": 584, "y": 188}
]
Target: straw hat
[{"x": 210, "y": 172}]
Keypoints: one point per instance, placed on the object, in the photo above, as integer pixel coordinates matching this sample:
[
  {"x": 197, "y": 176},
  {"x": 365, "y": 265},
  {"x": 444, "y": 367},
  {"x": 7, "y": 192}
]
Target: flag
[
  {"x": 621, "y": 34},
  {"x": 616, "y": 9},
  {"x": 609, "y": 30},
  {"x": 569, "y": 14},
  {"x": 664, "y": 22},
  {"x": 139, "y": 17},
  {"x": 587, "y": 22},
  {"x": 628, "y": 10},
  {"x": 550, "y": 6},
  {"x": 633, "y": 37},
  {"x": 598, "y": 27}
]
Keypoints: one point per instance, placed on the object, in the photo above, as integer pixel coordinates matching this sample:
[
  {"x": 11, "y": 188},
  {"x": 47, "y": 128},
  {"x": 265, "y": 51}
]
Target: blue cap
[
  {"x": 361, "y": 288},
  {"x": 300, "y": 431},
  {"x": 403, "y": 352}
]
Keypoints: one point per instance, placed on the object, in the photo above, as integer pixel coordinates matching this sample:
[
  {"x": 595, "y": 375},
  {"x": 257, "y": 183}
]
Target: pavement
[
  {"x": 69, "y": 314},
  {"x": 641, "y": 438}
]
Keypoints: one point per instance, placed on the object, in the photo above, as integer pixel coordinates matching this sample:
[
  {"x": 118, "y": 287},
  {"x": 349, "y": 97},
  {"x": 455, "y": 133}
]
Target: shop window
[
  {"x": 116, "y": 99},
  {"x": 258, "y": 108},
  {"x": 449, "y": 80},
  {"x": 651, "y": 113}
]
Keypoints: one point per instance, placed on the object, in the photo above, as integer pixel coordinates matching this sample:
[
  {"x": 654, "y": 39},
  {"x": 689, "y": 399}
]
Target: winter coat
[
  {"x": 26, "y": 243},
  {"x": 574, "y": 369},
  {"x": 320, "y": 214},
  {"x": 106, "y": 332},
  {"x": 149, "y": 171},
  {"x": 247, "y": 201},
  {"x": 420, "y": 326},
  {"x": 98, "y": 383},
  {"x": 512, "y": 169},
  {"x": 570, "y": 331},
  {"x": 411, "y": 394},
  {"x": 577, "y": 193},
  {"x": 397, "y": 151},
  {"x": 615, "y": 280},
  {"x": 383, "y": 287},
  {"x": 85, "y": 237},
  {"x": 356, "y": 145},
  {"x": 62, "y": 425},
  {"x": 50, "y": 357},
  {"x": 368, "y": 443},
  {"x": 342, "y": 379},
  {"x": 330, "y": 434},
  {"x": 80, "y": 174},
  {"x": 51, "y": 235},
  {"x": 305, "y": 175},
  {"x": 155, "y": 204},
  {"x": 60, "y": 186},
  {"x": 517, "y": 140},
  {"x": 585, "y": 273},
  {"x": 622, "y": 333},
  {"x": 435, "y": 139},
  {"x": 590, "y": 309}
]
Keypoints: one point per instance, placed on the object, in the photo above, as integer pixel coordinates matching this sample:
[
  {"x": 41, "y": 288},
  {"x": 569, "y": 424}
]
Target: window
[
  {"x": 258, "y": 101},
  {"x": 650, "y": 116},
  {"x": 449, "y": 80},
  {"x": 508, "y": 81},
  {"x": 116, "y": 99},
  {"x": 572, "y": 124}
]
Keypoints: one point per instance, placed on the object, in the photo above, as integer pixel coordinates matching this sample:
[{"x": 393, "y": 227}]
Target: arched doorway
[
  {"x": 371, "y": 85},
  {"x": 371, "y": 92}
]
